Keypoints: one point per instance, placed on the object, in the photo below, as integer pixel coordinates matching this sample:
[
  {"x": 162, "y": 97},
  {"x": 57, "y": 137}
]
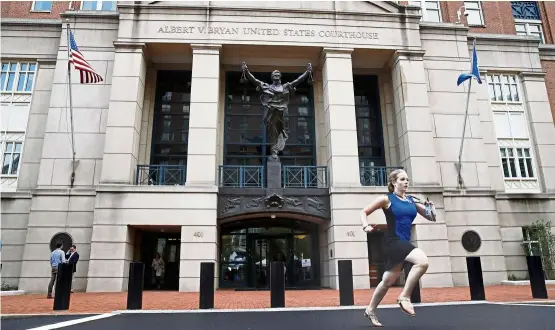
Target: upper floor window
[
  {"x": 99, "y": 5},
  {"x": 430, "y": 10},
  {"x": 17, "y": 76},
  {"x": 527, "y": 19},
  {"x": 10, "y": 157},
  {"x": 525, "y": 10},
  {"x": 513, "y": 136},
  {"x": 475, "y": 14},
  {"x": 42, "y": 6},
  {"x": 529, "y": 28}
]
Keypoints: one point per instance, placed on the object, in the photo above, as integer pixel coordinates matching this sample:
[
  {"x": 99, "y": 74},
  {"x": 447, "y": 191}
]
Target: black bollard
[
  {"x": 537, "y": 277},
  {"x": 135, "y": 285},
  {"x": 345, "y": 272},
  {"x": 62, "y": 291},
  {"x": 475, "y": 278},
  {"x": 277, "y": 284},
  {"x": 415, "y": 295},
  {"x": 206, "y": 295}
]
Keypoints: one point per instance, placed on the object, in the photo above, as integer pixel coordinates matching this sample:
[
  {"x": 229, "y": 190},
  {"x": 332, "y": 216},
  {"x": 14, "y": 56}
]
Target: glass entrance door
[{"x": 262, "y": 251}]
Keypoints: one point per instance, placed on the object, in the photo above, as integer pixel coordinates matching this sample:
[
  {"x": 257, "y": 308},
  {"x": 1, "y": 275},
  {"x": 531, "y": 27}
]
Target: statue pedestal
[{"x": 273, "y": 173}]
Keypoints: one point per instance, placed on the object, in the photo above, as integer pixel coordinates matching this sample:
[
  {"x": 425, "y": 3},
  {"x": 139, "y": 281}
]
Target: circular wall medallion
[
  {"x": 471, "y": 241},
  {"x": 63, "y": 238}
]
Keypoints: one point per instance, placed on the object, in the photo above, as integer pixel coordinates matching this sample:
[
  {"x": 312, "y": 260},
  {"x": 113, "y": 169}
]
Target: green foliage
[
  {"x": 540, "y": 231},
  {"x": 8, "y": 287}
]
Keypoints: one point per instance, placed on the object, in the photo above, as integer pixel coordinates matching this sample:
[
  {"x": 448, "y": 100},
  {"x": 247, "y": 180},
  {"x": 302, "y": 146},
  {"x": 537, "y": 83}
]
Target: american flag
[{"x": 88, "y": 74}]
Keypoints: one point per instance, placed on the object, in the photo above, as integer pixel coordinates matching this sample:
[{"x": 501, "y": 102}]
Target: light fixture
[
  {"x": 273, "y": 216},
  {"x": 459, "y": 12}
]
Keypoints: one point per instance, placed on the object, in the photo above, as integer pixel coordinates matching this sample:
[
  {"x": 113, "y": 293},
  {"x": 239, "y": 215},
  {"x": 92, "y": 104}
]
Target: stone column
[
  {"x": 203, "y": 118},
  {"x": 121, "y": 148},
  {"x": 541, "y": 126},
  {"x": 339, "y": 107},
  {"x": 412, "y": 117}
]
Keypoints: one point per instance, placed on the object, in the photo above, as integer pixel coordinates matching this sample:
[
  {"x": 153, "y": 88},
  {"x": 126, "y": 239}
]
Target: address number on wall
[
  {"x": 351, "y": 233},
  {"x": 198, "y": 234}
]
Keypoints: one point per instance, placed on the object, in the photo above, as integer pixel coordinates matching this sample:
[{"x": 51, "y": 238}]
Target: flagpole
[
  {"x": 70, "y": 106},
  {"x": 463, "y": 133}
]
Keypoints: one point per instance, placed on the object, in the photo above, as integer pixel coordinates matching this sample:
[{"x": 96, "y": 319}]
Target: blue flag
[{"x": 475, "y": 70}]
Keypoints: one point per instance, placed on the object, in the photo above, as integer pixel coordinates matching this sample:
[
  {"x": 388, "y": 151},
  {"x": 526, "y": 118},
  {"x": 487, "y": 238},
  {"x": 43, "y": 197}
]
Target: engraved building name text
[{"x": 308, "y": 33}]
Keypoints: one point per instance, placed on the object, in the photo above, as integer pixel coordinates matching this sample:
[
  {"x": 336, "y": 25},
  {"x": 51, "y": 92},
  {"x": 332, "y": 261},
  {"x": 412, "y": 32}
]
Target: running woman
[{"x": 400, "y": 211}]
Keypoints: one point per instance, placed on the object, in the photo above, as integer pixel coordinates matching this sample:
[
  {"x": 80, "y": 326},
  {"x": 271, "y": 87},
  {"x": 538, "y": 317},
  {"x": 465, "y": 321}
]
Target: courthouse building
[{"x": 171, "y": 150}]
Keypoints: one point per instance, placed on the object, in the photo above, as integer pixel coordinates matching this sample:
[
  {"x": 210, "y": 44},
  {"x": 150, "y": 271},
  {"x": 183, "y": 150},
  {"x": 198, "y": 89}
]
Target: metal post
[
  {"x": 277, "y": 284},
  {"x": 475, "y": 278},
  {"x": 345, "y": 272},
  {"x": 62, "y": 291},
  {"x": 537, "y": 277},
  {"x": 135, "y": 285},
  {"x": 206, "y": 296}
]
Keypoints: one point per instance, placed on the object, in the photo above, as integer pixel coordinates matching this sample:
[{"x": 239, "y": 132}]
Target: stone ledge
[
  {"x": 524, "y": 283},
  {"x": 12, "y": 293},
  {"x": 155, "y": 189}
]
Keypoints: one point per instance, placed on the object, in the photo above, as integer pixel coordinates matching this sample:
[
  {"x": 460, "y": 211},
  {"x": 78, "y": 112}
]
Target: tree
[{"x": 540, "y": 241}]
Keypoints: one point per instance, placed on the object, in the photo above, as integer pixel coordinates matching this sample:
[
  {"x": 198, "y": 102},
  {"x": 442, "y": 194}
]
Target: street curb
[
  {"x": 524, "y": 283},
  {"x": 12, "y": 293},
  {"x": 17, "y": 316}
]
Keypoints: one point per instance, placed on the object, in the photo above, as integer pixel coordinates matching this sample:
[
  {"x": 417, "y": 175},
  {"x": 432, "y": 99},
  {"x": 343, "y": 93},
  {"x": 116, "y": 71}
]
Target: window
[
  {"x": 430, "y": 10},
  {"x": 511, "y": 129},
  {"x": 42, "y": 6},
  {"x": 99, "y": 5},
  {"x": 529, "y": 28},
  {"x": 17, "y": 77},
  {"x": 10, "y": 157},
  {"x": 246, "y": 141},
  {"x": 527, "y": 19},
  {"x": 474, "y": 10},
  {"x": 170, "y": 135}
]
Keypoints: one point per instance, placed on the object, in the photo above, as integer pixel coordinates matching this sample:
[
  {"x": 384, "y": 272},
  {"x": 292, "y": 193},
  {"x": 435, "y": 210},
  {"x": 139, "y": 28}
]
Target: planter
[
  {"x": 12, "y": 293},
  {"x": 525, "y": 282}
]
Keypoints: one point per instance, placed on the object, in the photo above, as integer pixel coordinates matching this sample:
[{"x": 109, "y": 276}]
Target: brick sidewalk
[{"x": 224, "y": 299}]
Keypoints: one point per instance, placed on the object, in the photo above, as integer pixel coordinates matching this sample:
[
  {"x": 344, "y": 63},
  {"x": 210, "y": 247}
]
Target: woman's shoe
[
  {"x": 406, "y": 306},
  {"x": 373, "y": 318}
]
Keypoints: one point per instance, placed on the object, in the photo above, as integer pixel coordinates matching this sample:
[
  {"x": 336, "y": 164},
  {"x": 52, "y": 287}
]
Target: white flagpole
[
  {"x": 70, "y": 106},
  {"x": 459, "y": 165}
]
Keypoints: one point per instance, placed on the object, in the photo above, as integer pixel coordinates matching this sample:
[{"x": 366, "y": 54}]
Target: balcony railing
[
  {"x": 375, "y": 176},
  {"x": 160, "y": 175},
  {"x": 241, "y": 176},
  {"x": 305, "y": 176}
]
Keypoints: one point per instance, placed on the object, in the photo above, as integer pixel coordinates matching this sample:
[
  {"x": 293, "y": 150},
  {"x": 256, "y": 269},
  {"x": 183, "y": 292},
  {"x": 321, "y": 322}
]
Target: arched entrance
[{"x": 247, "y": 247}]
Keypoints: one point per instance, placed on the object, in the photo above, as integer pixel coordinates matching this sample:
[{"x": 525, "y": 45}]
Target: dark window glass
[
  {"x": 369, "y": 123},
  {"x": 170, "y": 134},
  {"x": 245, "y": 136}
]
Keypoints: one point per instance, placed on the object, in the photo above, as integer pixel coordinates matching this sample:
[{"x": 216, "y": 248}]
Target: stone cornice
[
  {"x": 90, "y": 14},
  {"x": 484, "y": 38},
  {"x": 547, "y": 52},
  {"x": 443, "y": 26},
  {"x": 56, "y": 23},
  {"x": 412, "y": 12}
]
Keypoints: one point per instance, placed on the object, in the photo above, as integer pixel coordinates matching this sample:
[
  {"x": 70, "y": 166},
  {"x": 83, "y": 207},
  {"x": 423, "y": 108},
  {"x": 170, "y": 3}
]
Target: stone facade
[{"x": 422, "y": 111}]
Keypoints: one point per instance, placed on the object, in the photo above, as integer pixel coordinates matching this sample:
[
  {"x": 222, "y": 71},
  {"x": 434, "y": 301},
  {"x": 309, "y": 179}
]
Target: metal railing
[
  {"x": 305, "y": 176},
  {"x": 239, "y": 176},
  {"x": 375, "y": 176},
  {"x": 161, "y": 175}
]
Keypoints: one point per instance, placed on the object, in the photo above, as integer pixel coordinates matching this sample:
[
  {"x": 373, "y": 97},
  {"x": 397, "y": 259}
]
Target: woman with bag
[{"x": 400, "y": 211}]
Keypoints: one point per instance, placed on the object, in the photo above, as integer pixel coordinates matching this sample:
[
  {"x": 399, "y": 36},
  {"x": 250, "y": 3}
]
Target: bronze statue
[{"x": 275, "y": 98}]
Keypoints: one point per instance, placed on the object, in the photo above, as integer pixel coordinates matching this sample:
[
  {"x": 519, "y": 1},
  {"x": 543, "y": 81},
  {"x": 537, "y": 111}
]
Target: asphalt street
[
  {"x": 22, "y": 322},
  {"x": 474, "y": 317}
]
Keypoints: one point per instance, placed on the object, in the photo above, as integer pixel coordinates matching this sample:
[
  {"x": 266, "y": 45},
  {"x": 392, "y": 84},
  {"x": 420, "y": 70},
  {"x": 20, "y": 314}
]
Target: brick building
[{"x": 168, "y": 153}]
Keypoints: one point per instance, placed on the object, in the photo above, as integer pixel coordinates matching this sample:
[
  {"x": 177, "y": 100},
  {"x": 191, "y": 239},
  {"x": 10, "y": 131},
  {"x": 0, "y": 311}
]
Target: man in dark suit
[{"x": 72, "y": 257}]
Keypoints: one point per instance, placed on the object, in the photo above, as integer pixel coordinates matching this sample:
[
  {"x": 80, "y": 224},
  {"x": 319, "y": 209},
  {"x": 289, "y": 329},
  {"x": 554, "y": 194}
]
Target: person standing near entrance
[
  {"x": 72, "y": 257},
  {"x": 400, "y": 211},
  {"x": 56, "y": 257},
  {"x": 158, "y": 269}
]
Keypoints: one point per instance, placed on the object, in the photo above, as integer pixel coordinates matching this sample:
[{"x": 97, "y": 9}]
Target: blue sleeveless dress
[{"x": 399, "y": 216}]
